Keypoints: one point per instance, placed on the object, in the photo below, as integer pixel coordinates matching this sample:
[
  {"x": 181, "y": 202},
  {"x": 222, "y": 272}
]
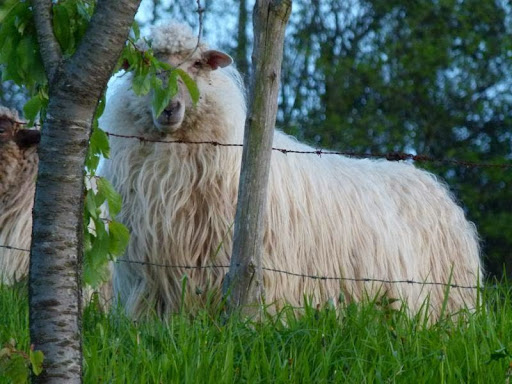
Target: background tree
[{"x": 241, "y": 51}]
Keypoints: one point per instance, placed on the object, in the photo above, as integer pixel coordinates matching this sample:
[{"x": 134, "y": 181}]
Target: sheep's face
[
  {"x": 199, "y": 67},
  {"x": 9, "y": 131}
]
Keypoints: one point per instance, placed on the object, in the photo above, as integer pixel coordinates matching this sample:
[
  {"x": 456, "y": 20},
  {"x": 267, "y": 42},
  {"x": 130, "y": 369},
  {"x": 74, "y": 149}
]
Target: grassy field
[{"x": 363, "y": 343}]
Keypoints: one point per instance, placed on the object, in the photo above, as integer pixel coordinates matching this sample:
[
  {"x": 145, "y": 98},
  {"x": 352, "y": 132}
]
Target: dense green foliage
[{"x": 355, "y": 344}]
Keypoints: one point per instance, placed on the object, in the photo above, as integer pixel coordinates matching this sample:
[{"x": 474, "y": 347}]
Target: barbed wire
[
  {"x": 390, "y": 156},
  {"x": 306, "y": 276},
  {"x": 295, "y": 274},
  {"x": 14, "y": 248}
]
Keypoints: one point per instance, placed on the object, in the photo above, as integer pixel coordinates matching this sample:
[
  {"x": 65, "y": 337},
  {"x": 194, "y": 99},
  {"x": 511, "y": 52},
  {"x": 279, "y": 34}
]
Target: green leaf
[
  {"x": 5, "y": 45},
  {"x": 94, "y": 277},
  {"x": 113, "y": 198},
  {"x": 101, "y": 106},
  {"x": 136, "y": 30},
  {"x": 85, "y": 10},
  {"x": 25, "y": 52},
  {"x": 99, "y": 142},
  {"x": 156, "y": 82},
  {"x": 32, "y": 108},
  {"x": 190, "y": 84},
  {"x": 92, "y": 161},
  {"x": 119, "y": 237},
  {"x": 141, "y": 84},
  {"x": 90, "y": 204},
  {"x": 36, "y": 358},
  {"x": 161, "y": 64},
  {"x": 15, "y": 368},
  {"x": 87, "y": 236},
  {"x": 158, "y": 101},
  {"x": 161, "y": 95},
  {"x": 5, "y": 11},
  {"x": 62, "y": 27},
  {"x": 99, "y": 196},
  {"x": 96, "y": 261}
]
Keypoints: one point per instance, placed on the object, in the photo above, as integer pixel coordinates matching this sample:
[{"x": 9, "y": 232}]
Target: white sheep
[
  {"x": 18, "y": 170},
  {"x": 326, "y": 216}
]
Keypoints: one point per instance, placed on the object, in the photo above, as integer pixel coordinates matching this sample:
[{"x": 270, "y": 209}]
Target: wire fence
[
  {"x": 295, "y": 274},
  {"x": 390, "y": 156}
]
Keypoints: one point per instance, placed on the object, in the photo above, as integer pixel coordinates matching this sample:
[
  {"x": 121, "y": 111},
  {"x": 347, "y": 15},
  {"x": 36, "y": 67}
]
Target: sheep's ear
[{"x": 216, "y": 59}]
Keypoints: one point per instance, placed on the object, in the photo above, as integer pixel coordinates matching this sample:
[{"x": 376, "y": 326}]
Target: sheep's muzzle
[{"x": 25, "y": 138}]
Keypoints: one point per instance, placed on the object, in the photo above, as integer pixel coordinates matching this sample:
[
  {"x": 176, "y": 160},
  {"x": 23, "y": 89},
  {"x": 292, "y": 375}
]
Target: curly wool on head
[
  {"x": 18, "y": 170},
  {"x": 174, "y": 38},
  {"x": 325, "y": 216}
]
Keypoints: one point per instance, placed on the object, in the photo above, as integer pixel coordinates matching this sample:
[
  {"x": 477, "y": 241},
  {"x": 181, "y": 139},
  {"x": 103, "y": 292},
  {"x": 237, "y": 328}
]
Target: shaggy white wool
[
  {"x": 327, "y": 216},
  {"x": 174, "y": 38},
  {"x": 18, "y": 170}
]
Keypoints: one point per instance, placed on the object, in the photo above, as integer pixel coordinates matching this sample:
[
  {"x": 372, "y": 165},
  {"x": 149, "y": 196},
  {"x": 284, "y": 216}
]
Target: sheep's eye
[
  {"x": 2, "y": 130},
  {"x": 198, "y": 64}
]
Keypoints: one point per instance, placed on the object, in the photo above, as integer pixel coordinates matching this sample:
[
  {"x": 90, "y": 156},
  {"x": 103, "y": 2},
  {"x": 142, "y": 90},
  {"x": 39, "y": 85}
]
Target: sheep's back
[{"x": 360, "y": 218}]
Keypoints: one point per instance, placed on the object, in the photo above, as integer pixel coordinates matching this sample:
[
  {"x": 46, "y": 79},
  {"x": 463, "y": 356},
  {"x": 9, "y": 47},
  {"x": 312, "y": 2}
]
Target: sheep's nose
[
  {"x": 27, "y": 137},
  {"x": 172, "y": 108}
]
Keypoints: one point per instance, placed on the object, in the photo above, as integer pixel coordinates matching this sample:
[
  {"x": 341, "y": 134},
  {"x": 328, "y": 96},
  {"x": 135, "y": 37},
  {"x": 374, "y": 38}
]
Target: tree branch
[
  {"x": 99, "y": 49},
  {"x": 49, "y": 46}
]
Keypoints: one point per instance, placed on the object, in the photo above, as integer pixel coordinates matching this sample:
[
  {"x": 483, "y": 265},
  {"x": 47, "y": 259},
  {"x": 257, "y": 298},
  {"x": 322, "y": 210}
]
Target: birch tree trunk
[
  {"x": 76, "y": 84},
  {"x": 244, "y": 282}
]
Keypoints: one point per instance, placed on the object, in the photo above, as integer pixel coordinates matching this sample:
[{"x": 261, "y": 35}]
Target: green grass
[{"x": 361, "y": 343}]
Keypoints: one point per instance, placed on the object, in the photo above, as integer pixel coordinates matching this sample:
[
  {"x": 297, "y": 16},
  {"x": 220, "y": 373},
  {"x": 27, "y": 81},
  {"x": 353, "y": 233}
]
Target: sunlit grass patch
[{"x": 369, "y": 342}]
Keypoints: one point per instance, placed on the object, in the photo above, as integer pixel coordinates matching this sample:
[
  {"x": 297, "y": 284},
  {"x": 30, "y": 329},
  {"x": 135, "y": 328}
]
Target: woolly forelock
[
  {"x": 174, "y": 38},
  {"x": 326, "y": 216},
  {"x": 18, "y": 169},
  {"x": 9, "y": 113}
]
